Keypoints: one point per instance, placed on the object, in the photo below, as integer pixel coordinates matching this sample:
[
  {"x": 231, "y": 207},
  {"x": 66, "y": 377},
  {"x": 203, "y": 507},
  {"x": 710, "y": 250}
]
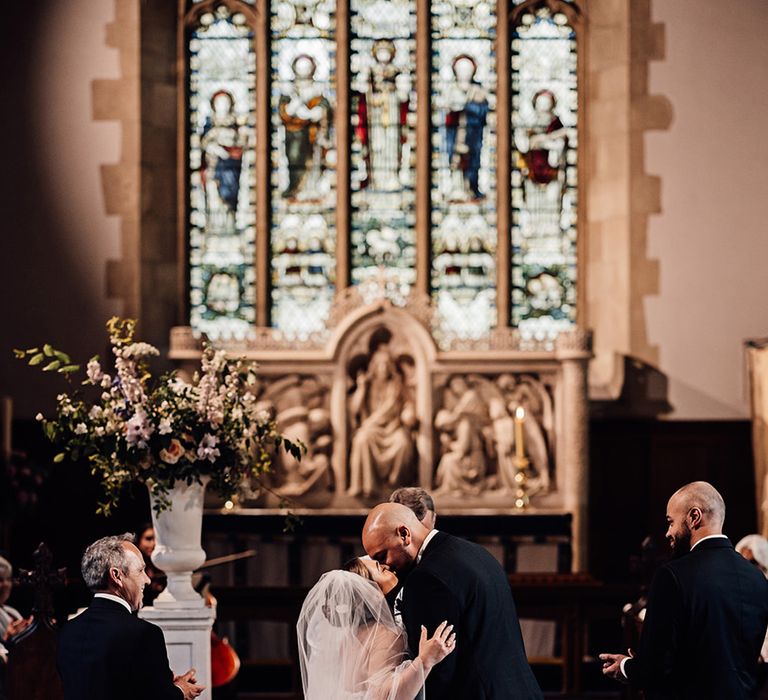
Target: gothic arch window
[{"x": 404, "y": 147}]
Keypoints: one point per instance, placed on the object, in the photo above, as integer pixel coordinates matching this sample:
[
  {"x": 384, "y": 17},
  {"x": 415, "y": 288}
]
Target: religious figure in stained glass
[
  {"x": 464, "y": 170},
  {"x": 544, "y": 176},
  {"x": 224, "y": 139},
  {"x": 382, "y": 149},
  {"x": 382, "y": 114},
  {"x": 221, "y": 166},
  {"x": 466, "y": 105},
  {"x": 303, "y": 154},
  {"x": 306, "y": 116}
]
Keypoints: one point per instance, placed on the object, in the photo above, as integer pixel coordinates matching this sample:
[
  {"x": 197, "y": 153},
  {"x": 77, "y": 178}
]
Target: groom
[{"x": 458, "y": 581}]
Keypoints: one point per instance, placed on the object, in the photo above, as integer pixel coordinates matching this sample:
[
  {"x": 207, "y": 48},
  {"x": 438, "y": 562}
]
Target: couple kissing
[{"x": 454, "y": 632}]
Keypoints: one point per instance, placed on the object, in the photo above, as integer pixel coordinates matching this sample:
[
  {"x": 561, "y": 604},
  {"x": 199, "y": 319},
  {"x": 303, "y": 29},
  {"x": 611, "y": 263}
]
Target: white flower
[
  {"x": 39, "y": 417},
  {"x": 98, "y": 431},
  {"x": 106, "y": 381},
  {"x": 95, "y": 413},
  {"x": 207, "y": 448},
  {"x": 139, "y": 350},
  {"x": 165, "y": 426},
  {"x": 138, "y": 429},
  {"x": 81, "y": 429},
  {"x": 94, "y": 371}
]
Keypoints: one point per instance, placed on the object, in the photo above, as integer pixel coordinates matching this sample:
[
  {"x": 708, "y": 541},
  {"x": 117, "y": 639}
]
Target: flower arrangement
[{"x": 131, "y": 428}]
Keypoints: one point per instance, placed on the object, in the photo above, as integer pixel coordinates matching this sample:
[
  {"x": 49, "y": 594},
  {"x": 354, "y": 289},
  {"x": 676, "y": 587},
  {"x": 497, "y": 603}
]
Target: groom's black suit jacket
[
  {"x": 705, "y": 623},
  {"x": 106, "y": 653},
  {"x": 461, "y": 582}
]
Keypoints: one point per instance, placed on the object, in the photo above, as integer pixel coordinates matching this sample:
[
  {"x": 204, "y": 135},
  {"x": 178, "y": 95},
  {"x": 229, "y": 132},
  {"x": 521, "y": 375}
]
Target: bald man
[
  {"x": 707, "y": 611},
  {"x": 458, "y": 581}
]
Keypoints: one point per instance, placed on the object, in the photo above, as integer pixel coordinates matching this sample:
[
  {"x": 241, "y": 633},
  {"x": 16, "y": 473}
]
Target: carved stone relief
[
  {"x": 299, "y": 405},
  {"x": 382, "y": 416},
  {"x": 477, "y": 435}
]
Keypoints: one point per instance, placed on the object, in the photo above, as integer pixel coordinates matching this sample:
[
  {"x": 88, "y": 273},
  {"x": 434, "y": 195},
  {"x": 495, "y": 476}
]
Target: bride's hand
[{"x": 432, "y": 651}]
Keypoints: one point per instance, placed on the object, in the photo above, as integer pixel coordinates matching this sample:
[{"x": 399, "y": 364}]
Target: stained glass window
[
  {"x": 221, "y": 73},
  {"x": 463, "y": 167},
  {"x": 303, "y": 148},
  {"x": 544, "y": 173},
  {"x": 381, "y": 108},
  {"x": 383, "y": 148}
]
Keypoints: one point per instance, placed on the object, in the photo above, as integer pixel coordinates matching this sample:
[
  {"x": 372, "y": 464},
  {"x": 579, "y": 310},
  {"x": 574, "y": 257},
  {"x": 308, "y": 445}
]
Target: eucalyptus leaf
[
  {"x": 48, "y": 350},
  {"x": 59, "y": 457},
  {"x": 52, "y": 366},
  {"x": 36, "y": 359},
  {"x": 68, "y": 369}
]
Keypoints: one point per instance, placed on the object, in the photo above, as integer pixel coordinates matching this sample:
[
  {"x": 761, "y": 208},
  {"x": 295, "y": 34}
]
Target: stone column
[
  {"x": 187, "y": 630},
  {"x": 574, "y": 350}
]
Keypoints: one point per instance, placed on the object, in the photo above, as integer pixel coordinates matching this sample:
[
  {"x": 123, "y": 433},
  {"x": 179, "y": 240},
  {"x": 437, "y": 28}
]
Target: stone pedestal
[{"x": 188, "y": 639}]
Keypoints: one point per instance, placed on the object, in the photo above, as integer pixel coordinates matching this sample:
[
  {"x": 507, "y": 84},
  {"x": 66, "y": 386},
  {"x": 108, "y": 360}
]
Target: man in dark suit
[
  {"x": 454, "y": 580},
  {"x": 707, "y": 611},
  {"x": 107, "y": 652}
]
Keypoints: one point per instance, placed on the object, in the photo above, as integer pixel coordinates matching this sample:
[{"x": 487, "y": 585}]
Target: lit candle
[{"x": 519, "y": 420}]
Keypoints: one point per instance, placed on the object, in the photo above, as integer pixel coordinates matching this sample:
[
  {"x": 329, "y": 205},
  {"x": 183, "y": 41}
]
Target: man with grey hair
[
  {"x": 107, "y": 652},
  {"x": 419, "y": 501},
  {"x": 11, "y": 621},
  {"x": 707, "y": 611}
]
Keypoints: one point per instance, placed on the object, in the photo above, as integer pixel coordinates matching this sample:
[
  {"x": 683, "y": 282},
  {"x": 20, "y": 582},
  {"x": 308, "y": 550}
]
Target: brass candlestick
[{"x": 522, "y": 500}]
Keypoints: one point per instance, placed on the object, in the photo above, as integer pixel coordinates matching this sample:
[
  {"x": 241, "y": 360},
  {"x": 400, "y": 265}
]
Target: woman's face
[
  {"x": 380, "y": 575},
  {"x": 5, "y": 587},
  {"x": 147, "y": 542}
]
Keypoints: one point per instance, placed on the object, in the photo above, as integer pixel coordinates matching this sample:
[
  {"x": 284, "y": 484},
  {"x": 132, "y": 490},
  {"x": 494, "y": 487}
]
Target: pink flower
[{"x": 172, "y": 453}]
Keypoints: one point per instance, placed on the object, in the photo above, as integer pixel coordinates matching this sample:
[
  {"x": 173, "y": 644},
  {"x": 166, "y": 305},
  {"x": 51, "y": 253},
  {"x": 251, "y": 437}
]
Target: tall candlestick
[{"x": 519, "y": 445}]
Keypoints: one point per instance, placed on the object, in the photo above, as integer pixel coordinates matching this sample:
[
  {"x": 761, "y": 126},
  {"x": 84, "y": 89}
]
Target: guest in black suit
[
  {"x": 454, "y": 580},
  {"x": 707, "y": 611},
  {"x": 107, "y": 652}
]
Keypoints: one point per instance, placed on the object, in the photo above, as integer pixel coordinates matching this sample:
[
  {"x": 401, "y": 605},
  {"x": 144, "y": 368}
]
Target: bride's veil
[{"x": 349, "y": 644}]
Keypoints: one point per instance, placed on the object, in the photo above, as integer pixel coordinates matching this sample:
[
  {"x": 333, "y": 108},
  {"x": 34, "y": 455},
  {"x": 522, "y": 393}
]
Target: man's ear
[
  {"x": 116, "y": 576},
  {"x": 404, "y": 533},
  {"x": 695, "y": 516}
]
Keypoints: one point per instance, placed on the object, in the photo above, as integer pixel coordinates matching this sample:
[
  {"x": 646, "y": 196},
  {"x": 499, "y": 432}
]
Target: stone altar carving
[
  {"x": 462, "y": 467},
  {"x": 383, "y": 416},
  {"x": 299, "y": 405},
  {"x": 380, "y": 405},
  {"x": 477, "y": 434}
]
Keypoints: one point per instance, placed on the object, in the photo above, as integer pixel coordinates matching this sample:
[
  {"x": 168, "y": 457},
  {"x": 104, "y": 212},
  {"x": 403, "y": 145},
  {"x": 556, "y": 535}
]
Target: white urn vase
[{"x": 177, "y": 550}]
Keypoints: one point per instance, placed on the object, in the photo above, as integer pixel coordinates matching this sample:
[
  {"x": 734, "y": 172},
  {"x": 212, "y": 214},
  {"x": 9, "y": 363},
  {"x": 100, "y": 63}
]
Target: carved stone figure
[
  {"x": 299, "y": 406},
  {"x": 503, "y": 432},
  {"x": 527, "y": 392},
  {"x": 383, "y": 416},
  {"x": 463, "y": 465}
]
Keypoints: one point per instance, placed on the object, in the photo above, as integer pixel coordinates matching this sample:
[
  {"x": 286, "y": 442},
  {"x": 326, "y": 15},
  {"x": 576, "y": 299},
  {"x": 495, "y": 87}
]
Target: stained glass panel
[
  {"x": 544, "y": 174},
  {"x": 221, "y": 73},
  {"x": 303, "y": 148},
  {"x": 383, "y": 148},
  {"x": 464, "y": 172}
]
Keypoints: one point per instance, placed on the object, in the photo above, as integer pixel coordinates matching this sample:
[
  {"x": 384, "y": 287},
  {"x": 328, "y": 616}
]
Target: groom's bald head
[{"x": 393, "y": 535}]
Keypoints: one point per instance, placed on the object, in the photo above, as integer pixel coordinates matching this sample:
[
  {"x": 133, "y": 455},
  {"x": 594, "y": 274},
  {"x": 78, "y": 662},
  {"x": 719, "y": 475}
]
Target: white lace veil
[{"x": 349, "y": 645}]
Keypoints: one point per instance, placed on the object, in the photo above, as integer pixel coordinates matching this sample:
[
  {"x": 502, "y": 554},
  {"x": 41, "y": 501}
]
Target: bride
[{"x": 350, "y": 647}]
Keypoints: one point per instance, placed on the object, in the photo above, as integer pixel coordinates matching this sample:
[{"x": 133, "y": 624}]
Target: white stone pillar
[
  {"x": 574, "y": 350},
  {"x": 187, "y": 633}
]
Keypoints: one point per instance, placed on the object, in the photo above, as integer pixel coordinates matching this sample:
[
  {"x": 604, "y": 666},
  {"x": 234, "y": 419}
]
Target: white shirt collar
[
  {"x": 114, "y": 599},
  {"x": 424, "y": 544},
  {"x": 709, "y": 537}
]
